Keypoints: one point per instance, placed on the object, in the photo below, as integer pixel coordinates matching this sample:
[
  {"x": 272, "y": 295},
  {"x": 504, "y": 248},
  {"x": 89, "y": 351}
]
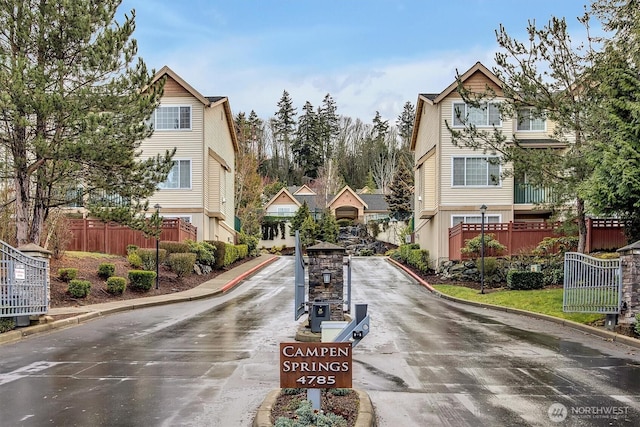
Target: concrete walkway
[{"x": 216, "y": 286}]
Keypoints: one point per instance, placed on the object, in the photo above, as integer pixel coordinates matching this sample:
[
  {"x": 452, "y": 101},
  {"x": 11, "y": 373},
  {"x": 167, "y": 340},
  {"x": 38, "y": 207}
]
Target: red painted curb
[
  {"x": 412, "y": 274},
  {"x": 244, "y": 275}
]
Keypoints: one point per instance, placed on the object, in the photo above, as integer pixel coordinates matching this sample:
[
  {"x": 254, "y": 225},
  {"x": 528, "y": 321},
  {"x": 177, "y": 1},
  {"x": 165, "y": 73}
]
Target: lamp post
[
  {"x": 157, "y": 207},
  {"x": 483, "y": 210}
]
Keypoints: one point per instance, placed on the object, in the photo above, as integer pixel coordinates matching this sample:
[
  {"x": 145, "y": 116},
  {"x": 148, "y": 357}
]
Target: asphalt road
[{"x": 425, "y": 362}]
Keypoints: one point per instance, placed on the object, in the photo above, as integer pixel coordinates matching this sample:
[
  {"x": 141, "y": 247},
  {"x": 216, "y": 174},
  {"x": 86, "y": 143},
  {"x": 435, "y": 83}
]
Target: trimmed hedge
[
  {"x": 220, "y": 254},
  {"x": 116, "y": 285},
  {"x": 134, "y": 260},
  {"x": 148, "y": 257},
  {"x": 525, "y": 280},
  {"x": 67, "y": 274},
  {"x": 174, "y": 247},
  {"x": 412, "y": 255},
  {"x": 141, "y": 280},
  {"x": 106, "y": 270},
  {"x": 182, "y": 263},
  {"x": 79, "y": 288}
]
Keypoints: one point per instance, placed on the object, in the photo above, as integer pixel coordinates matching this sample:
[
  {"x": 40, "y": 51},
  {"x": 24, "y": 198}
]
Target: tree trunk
[{"x": 582, "y": 225}]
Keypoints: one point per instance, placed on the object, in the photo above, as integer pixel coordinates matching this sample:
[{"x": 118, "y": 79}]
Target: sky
[{"x": 369, "y": 55}]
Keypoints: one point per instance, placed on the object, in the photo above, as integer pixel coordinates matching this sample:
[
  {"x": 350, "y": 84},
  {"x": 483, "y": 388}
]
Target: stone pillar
[
  {"x": 630, "y": 266},
  {"x": 327, "y": 258}
]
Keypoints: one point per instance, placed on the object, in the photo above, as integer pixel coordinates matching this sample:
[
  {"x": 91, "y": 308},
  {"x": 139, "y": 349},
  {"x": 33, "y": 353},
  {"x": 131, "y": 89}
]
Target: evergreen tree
[
  {"x": 404, "y": 122},
  {"x": 308, "y": 231},
  {"x": 284, "y": 125},
  {"x": 328, "y": 127},
  {"x": 299, "y": 218},
  {"x": 541, "y": 76},
  {"x": 75, "y": 105},
  {"x": 614, "y": 188},
  {"x": 401, "y": 193},
  {"x": 328, "y": 227},
  {"x": 305, "y": 148}
]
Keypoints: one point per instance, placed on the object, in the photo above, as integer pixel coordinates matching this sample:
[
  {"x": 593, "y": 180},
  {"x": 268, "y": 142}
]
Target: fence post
[
  {"x": 630, "y": 269},
  {"x": 589, "y": 236},
  {"x": 35, "y": 251}
]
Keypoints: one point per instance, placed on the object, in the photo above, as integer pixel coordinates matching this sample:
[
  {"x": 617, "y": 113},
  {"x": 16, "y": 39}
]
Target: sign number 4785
[{"x": 311, "y": 380}]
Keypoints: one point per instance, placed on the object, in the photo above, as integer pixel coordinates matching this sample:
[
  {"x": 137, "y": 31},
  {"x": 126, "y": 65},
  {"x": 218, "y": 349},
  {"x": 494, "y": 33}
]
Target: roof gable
[
  {"x": 283, "y": 195},
  {"x": 170, "y": 73},
  {"x": 350, "y": 192},
  {"x": 304, "y": 190}
]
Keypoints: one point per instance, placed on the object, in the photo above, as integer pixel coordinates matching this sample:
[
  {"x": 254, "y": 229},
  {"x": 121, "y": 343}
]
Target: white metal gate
[
  {"x": 23, "y": 283},
  {"x": 591, "y": 285}
]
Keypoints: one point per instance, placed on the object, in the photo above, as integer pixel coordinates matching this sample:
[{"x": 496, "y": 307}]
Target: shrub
[
  {"x": 106, "y": 270},
  {"x": 250, "y": 241},
  {"x": 6, "y": 324},
  {"x": 205, "y": 252},
  {"x": 79, "y": 288},
  {"x": 306, "y": 416},
  {"x": 374, "y": 228},
  {"x": 131, "y": 249},
  {"x": 636, "y": 326},
  {"x": 134, "y": 260},
  {"x": 174, "y": 247},
  {"x": 182, "y": 264},
  {"x": 148, "y": 258},
  {"x": 345, "y": 222},
  {"x": 366, "y": 252},
  {"x": 339, "y": 391},
  {"x": 116, "y": 285},
  {"x": 524, "y": 280},
  {"x": 243, "y": 251},
  {"x": 231, "y": 254},
  {"x": 490, "y": 265},
  {"x": 67, "y": 274},
  {"x": 419, "y": 258},
  {"x": 141, "y": 280},
  {"x": 556, "y": 246},
  {"x": 473, "y": 247}
]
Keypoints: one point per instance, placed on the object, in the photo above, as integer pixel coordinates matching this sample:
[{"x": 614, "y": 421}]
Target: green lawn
[{"x": 545, "y": 301}]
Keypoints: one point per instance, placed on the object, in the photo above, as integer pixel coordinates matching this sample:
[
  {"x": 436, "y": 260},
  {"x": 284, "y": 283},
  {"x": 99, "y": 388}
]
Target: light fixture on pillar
[
  {"x": 326, "y": 277},
  {"x": 483, "y": 211}
]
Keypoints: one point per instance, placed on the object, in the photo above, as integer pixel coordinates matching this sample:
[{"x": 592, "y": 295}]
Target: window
[
  {"x": 172, "y": 118},
  {"x": 529, "y": 120},
  {"x": 486, "y": 115},
  {"x": 476, "y": 171},
  {"x": 180, "y": 175},
  {"x": 474, "y": 219}
]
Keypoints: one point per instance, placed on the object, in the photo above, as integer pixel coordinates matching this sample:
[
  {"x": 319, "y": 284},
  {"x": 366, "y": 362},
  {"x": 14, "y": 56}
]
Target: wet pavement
[{"x": 425, "y": 362}]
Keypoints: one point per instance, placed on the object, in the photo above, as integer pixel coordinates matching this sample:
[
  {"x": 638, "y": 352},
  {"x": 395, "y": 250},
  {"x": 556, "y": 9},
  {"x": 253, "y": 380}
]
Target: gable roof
[
  {"x": 207, "y": 101},
  {"x": 345, "y": 189},
  {"x": 279, "y": 193},
  {"x": 304, "y": 190},
  {"x": 435, "y": 98}
]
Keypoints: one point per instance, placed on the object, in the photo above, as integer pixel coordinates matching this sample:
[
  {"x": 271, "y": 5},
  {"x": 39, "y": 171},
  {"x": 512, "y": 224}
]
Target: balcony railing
[{"x": 531, "y": 194}]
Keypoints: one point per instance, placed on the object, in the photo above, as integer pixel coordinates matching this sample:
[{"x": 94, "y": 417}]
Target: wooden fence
[
  {"x": 523, "y": 237},
  {"x": 91, "y": 235}
]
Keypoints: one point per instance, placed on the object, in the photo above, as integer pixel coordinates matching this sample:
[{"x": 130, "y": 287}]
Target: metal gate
[
  {"x": 23, "y": 283},
  {"x": 591, "y": 285}
]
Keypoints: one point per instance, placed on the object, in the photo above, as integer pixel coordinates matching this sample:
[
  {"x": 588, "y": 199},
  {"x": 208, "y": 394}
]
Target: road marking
[{"x": 25, "y": 371}]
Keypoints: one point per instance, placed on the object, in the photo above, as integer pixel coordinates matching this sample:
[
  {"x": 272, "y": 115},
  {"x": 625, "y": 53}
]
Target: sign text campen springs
[{"x": 315, "y": 365}]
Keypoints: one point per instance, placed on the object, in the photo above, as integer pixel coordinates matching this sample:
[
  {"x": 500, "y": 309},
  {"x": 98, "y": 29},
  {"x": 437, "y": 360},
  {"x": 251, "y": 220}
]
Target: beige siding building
[
  {"x": 200, "y": 187},
  {"x": 452, "y": 182}
]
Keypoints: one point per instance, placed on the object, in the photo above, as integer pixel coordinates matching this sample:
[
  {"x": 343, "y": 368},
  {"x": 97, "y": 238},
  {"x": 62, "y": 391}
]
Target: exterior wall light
[{"x": 326, "y": 277}]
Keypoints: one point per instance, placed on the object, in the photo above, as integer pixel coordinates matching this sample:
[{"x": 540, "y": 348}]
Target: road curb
[
  {"x": 18, "y": 334},
  {"x": 608, "y": 335},
  {"x": 366, "y": 414}
]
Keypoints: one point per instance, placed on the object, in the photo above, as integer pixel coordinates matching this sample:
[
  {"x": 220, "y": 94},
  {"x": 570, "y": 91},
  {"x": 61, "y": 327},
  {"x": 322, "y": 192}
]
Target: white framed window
[
  {"x": 476, "y": 219},
  {"x": 486, "y": 115},
  {"x": 172, "y": 117},
  {"x": 179, "y": 177},
  {"x": 529, "y": 120},
  {"x": 475, "y": 171}
]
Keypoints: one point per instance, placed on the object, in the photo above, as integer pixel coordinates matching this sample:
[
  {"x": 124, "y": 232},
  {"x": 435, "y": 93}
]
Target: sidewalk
[{"x": 216, "y": 286}]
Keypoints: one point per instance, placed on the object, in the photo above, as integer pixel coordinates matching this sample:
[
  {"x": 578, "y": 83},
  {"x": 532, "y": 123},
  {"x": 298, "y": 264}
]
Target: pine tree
[
  {"x": 75, "y": 105},
  {"x": 401, "y": 193},
  {"x": 305, "y": 147},
  {"x": 284, "y": 125},
  {"x": 404, "y": 122},
  {"x": 328, "y": 228},
  {"x": 328, "y": 127},
  {"x": 308, "y": 231},
  {"x": 299, "y": 218}
]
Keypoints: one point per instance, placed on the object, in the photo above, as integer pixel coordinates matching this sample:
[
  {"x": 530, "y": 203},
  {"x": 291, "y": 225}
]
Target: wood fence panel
[
  {"x": 96, "y": 236},
  {"x": 523, "y": 237}
]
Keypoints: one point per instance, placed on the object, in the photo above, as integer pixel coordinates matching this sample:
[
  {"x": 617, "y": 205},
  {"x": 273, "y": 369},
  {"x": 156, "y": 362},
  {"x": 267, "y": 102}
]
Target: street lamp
[
  {"x": 483, "y": 210},
  {"x": 157, "y": 207}
]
